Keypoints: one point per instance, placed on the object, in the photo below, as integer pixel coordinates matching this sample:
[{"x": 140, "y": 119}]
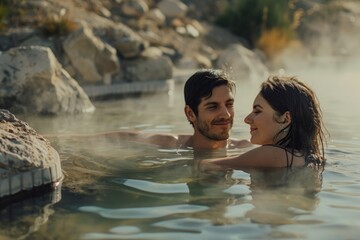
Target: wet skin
[{"x": 214, "y": 120}]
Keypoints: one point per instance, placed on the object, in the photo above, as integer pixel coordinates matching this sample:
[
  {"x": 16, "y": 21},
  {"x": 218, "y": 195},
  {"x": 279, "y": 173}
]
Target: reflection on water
[
  {"x": 21, "y": 218},
  {"x": 127, "y": 190}
]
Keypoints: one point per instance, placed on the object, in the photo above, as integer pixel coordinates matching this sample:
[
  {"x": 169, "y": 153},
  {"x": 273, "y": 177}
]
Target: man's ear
[{"x": 190, "y": 115}]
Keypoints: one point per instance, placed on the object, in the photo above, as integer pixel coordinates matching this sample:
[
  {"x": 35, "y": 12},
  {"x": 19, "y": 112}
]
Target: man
[{"x": 209, "y": 107}]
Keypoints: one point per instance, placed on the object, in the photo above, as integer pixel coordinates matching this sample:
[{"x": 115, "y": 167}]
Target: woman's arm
[
  {"x": 236, "y": 143},
  {"x": 260, "y": 157}
]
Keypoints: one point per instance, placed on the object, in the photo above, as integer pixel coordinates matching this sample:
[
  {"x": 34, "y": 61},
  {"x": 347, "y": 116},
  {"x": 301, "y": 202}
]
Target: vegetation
[
  {"x": 266, "y": 24},
  {"x": 15, "y": 13},
  {"x": 4, "y": 10},
  {"x": 11, "y": 14},
  {"x": 56, "y": 26}
]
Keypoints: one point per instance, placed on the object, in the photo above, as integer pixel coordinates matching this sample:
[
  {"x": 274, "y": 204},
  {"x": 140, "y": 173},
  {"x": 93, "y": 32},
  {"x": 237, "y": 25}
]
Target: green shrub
[
  {"x": 4, "y": 11},
  {"x": 252, "y": 19}
]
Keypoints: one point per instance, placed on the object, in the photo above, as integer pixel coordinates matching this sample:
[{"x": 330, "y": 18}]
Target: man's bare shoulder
[{"x": 167, "y": 140}]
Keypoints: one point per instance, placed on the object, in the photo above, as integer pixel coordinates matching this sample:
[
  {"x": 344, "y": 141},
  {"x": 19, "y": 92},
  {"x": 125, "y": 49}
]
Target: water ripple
[
  {"x": 153, "y": 187},
  {"x": 142, "y": 212}
]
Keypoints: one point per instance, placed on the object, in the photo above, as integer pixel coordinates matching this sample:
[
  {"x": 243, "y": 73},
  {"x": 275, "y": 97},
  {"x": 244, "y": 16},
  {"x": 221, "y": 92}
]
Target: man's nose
[{"x": 225, "y": 111}]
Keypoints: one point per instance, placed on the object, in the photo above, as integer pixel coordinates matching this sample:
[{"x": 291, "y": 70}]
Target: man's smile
[{"x": 222, "y": 122}]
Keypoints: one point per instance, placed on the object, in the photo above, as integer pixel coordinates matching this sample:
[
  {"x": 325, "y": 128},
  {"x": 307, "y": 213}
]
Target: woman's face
[{"x": 264, "y": 122}]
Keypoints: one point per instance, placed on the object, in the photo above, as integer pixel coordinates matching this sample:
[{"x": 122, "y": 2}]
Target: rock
[
  {"x": 335, "y": 35},
  {"x": 172, "y": 8},
  {"x": 197, "y": 25},
  {"x": 187, "y": 63},
  {"x": 177, "y": 22},
  {"x": 134, "y": 8},
  {"x": 208, "y": 52},
  {"x": 168, "y": 52},
  {"x": 128, "y": 43},
  {"x": 92, "y": 58},
  {"x": 152, "y": 52},
  {"x": 33, "y": 81},
  {"x": 242, "y": 63},
  {"x": 194, "y": 61},
  {"x": 27, "y": 160},
  {"x": 203, "y": 61},
  {"x": 156, "y": 16},
  {"x": 16, "y": 36},
  {"x": 192, "y": 31},
  {"x": 105, "y": 12},
  {"x": 153, "y": 38},
  {"x": 148, "y": 69},
  {"x": 183, "y": 28},
  {"x": 37, "y": 41}
]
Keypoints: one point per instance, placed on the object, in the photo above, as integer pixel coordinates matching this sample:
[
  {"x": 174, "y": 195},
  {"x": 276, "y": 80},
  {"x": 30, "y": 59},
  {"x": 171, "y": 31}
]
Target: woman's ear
[
  {"x": 190, "y": 115},
  {"x": 286, "y": 117}
]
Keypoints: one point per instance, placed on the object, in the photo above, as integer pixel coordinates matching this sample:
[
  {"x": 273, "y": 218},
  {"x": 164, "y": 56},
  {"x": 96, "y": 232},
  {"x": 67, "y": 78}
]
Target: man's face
[{"x": 215, "y": 114}]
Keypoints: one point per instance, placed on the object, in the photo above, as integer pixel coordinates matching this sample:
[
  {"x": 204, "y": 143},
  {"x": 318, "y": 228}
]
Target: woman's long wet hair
[{"x": 305, "y": 134}]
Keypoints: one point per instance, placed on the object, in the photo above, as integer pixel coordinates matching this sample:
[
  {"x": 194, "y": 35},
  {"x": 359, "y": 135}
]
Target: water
[{"x": 115, "y": 189}]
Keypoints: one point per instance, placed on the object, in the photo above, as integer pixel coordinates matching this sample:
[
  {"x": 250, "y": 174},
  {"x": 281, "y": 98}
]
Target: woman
[{"x": 286, "y": 121}]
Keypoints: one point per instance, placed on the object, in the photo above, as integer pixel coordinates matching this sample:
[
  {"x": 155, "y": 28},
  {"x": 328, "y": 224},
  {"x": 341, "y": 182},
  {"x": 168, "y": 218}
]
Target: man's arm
[{"x": 161, "y": 139}]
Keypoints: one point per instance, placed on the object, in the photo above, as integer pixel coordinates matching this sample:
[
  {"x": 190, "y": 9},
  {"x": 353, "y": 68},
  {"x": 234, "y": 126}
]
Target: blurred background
[{"x": 120, "y": 48}]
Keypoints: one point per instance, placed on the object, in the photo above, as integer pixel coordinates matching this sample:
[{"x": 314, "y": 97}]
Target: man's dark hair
[{"x": 201, "y": 84}]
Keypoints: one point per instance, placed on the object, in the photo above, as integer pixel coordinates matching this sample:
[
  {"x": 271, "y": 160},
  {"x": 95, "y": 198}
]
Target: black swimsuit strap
[{"x": 286, "y": 151}]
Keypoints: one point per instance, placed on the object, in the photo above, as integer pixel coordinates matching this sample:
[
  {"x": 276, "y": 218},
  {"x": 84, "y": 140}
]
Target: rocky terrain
[{"x": 104, "y": 45}]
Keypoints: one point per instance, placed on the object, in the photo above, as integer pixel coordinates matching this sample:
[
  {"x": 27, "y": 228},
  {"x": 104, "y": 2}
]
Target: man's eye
[{"x": 230, "y": 105}]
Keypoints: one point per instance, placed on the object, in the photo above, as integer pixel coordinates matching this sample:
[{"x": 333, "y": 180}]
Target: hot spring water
[{"x": 115, "y": 189}]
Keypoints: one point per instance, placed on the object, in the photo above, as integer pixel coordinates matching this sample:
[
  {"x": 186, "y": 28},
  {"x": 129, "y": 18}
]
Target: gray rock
[
  {"x": 242, "y": 63},
  {"x": 156, "y": 16},
  {"x": 128, "y": 43},
  {"x": 33, "y": 81},
  {"x": 172, "y": 8},
  {"x": 91, "y": 57},
  {"x": 134, "y": 8},
  {"x": 153, "y": 68},
  {"x": 27, "y": 159}
]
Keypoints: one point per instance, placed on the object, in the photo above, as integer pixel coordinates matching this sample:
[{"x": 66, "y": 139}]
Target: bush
[
  {"x": 260, "y": 21},
  {"x": 4, "y": 11},
  {"x": 57, "y": 26}
]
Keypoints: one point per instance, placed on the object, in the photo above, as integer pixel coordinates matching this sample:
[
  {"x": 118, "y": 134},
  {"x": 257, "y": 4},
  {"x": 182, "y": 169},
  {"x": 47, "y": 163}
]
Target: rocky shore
[{"x": 56, "y": 49}]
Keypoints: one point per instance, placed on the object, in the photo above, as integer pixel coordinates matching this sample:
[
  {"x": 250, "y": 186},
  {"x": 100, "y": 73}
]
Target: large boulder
[
  {"x": 149, "y": 68},
  {"x": 91, "y": 57},
  {"x": 242, "y": 63},
  {"x": 33, "y": 81},
  {"x": 27, "y": 159},
  {"x": 331, "y": 35},
  {"x": 127, "y": 42}
]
